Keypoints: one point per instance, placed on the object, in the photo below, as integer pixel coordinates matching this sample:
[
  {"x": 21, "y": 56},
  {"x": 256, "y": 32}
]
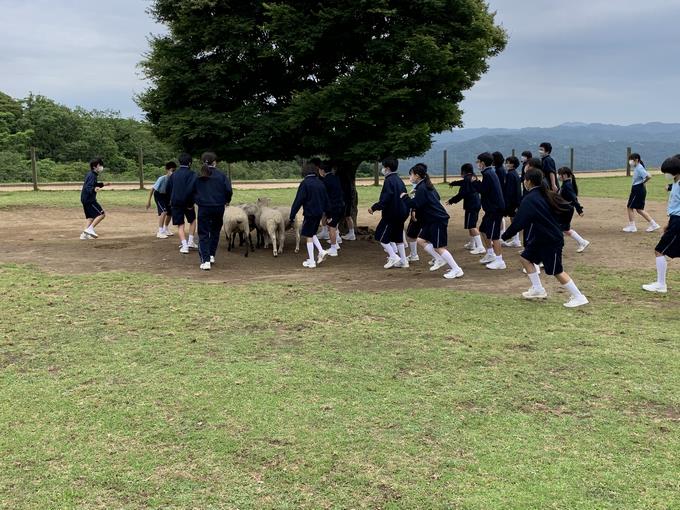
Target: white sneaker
[
  {"x": 655, "y": 287},
  {"x": 652, "y": 227},
  {"x": 193, "y": 245},
  {"x": 451, "y": 274},
  {"x": 391, "y": 262},
  {"x": 431, "y": 262},
  {"x": 438, "y": 264},
  {"x": 90, "y": 232},
  {"x": 505, "y": 243},
  {"x": 338, "y": 238},
  {"x": 349, "y": 237},
  {"x": 533, "y": 293},
  {"x": 629, "y": 228},
  {"x": 161, "y": 235},
  {"x": 404, "y": 265},
  {"x": 184, "y": 249},
  {"x": 322, "y": 256},
  {"x": 477, "y": 251},
  {"x": 583, "y": 246},
  {"x": 212, "y": 259},
  {"x": 205, "y": 266},
  {"x": 468, "y": 245},
  {"x": 168, "y": 232},
  {"x": 332, "y": 252},
  {"x": 309, "y": 263},
  {"x": 413, "y": 258},
  {"x": 514, "y": 244},
  {"x": 576, "y": 301},
  {"x": 486, "y": 259},
  {"x": 496, "y": 264},
  {"x": 84, "y": 236}
]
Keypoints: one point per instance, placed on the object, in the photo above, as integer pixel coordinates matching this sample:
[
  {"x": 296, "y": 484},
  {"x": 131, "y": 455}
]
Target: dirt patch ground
[{"x": 48, "y": 238}]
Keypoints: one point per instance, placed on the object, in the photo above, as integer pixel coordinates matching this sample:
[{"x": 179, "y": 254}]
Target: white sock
[
  {"x": 499, "y": 258},
  {"x": 401, "y": 249},
  {"x": 184, "y": 243},
  {"x": 535, "y": 279},
  {"x": 316, "y": 242},
  {"x": 310, "y": 249},
  {"x": 448, "y": 258},
  {"x": 489, "y": 251},
  {"x": 389, "y": 250},
  {"x": 574, "y": 235},
  {"x": 516, "y": 239},
  {"x": 394, "y": 247},
  {"x": 430, "y": 249},
  {"x": 661, "y": 267},
  {"x": 191, "y": 239},
  {"x": 631, "y": 223},
  {"x": 350, "y": 232},
  {"x": 652, "y": 223},
  {"x": 572, "y": 288},
  {"x": 478, "y": 242},
  {"x": 336, "y": 246},
  {"x": 413, "y": 248}
]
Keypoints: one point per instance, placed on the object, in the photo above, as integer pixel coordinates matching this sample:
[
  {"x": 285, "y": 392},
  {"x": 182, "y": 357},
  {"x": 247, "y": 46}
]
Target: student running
[
  {"x": 94, "y": 212},
  {"x": 493, "y": 204},
  {"x": 569, "y": 192},
  {"x": 180, "y": 188},
  {"x": 638, "y": 195},
  {"x": 471, "y": 206}
]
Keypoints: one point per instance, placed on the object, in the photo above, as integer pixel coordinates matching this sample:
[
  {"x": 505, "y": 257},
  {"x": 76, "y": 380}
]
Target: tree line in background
[{"x": 66, "y": 139}]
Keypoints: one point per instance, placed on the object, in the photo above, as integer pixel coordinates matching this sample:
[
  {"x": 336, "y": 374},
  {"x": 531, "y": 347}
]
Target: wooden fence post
[
  {"x": 141, "y": 168},
  {"x": 376, "y": 176},
  {"x": 446, "y": 164},
  {"x": 629, "y": 151},
  {"x": 571, "y": 159},
  {"x": 34, "y": 169}
]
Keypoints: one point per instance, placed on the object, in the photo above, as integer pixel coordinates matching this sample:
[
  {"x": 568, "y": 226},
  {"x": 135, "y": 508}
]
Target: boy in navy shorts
[
  {"x": 337, "y": 206},
  {"x": 94, "y": 213},
  {"x": 160, "y": 197},
  {"x": 180, "y": 189},
  {"x": 313, "y": 198},
  {"x": 471, "y": 205},
  {"x": 494, "y": 206}
]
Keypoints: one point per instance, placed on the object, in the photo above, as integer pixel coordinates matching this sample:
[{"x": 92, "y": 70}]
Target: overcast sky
[{"x": 611, "y": 61}]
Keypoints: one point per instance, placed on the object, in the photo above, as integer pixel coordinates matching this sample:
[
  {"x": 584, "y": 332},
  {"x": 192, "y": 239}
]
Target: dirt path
[{"x": 49, "y": 239}]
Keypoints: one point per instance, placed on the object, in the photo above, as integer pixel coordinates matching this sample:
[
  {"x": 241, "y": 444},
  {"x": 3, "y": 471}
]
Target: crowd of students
[{"x": 528, "y": 196}]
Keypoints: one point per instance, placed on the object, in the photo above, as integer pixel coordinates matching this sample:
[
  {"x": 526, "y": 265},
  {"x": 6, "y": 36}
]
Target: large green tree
[{"x": 350, "y": 79}]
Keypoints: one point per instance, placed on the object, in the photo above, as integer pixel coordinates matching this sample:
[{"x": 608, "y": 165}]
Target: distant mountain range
[{"x": 596, "y": 146}]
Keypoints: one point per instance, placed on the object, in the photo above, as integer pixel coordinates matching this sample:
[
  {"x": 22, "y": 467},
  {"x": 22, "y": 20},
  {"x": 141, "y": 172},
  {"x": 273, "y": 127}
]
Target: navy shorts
[
  {"x": 390, "y": 231},
  {"x": 637, "y": 197},
  {"x": 550, "y": 256},
  {"x": 471, "y": 219},
  {"x": 161, "y": 200},
  {"x": 491, "y": 225},
  {"x": 435, "y": 233},
  {"x": 669, "y": 244},
  {"x": 179, "y": 213},
  {"x": 413, "y": 229},
  {"x": 336, "y": 217},
  {"x": 92, "y": 210},
  {"x": 310, "y": 226}
]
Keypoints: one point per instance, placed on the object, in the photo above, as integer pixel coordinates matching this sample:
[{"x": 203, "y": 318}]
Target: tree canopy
[{"x": 350, "y": 79}]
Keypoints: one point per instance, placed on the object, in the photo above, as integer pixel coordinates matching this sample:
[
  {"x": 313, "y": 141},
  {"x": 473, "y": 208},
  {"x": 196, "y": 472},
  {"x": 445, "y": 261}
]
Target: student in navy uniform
[
  {"x": 524, "y": 159},
  {"x": 471, "y": 205},
  {"x": 160, "y": 197},
  {"x": 390, "y": 229},
  {"x": 413, "y": 228},
  {"x": 548, "y": 166},
  {"x": 94, "y": 213},
  {"x": 493, "y": 204},
  {"x": 313, "y": 198},
  {"x": 512, "y": 195},
  {"x": 212, "y": 192},
  {"x": 434, "y": 221},
  {"x": 540, "y": 215},
  {"x": 180, "y": 188},
  {"x": 569, "y": 192},
  {"x": 638, "y": 194},
  {"x": 337, "y": 205},
  {"x": 323, "y": 233},
  {"x": 349, "y": 198},
  {"x": 669, "y": 244}
]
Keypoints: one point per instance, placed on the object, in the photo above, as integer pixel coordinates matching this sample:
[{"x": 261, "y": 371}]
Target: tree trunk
[{"x": 347, "y": 173}]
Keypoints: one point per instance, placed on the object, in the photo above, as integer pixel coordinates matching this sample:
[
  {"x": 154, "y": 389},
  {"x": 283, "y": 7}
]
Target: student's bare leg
[
  {"x": 181, "y": 233},
  {"x": 631, "y": 215},
  {"x": 192, "y": 228},
  {"x": 497, "y": 247},
  {"x": 98, "y": 220},
  {"x": 644, "y": 214},
  {"x": 161, "y": 220},
  {"x": 89, "y": 222},
  {"x": 168, "y": 219},
  {"x": 333, "y": 234}
]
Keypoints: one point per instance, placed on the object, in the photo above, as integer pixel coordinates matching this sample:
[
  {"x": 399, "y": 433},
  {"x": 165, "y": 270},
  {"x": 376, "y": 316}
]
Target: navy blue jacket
[
  {"x": 88, "y": 195},
  {"x": 427, "y": 205},
  {"x": 490, "y": 189},
  {"x": 512, "y": 194},
  {"x": 312, "y": 197},
  {"x": 180, "y": 187},
  {"x": 542, "y": 227},
  {"x": 213, "y": 190},
  {"x": 390, "y": 203},
  {"x": 568, "y": 193},
  {"x": 502, "y": 173},
  {"x": 549, "y": 167},
  {"x": 335, "y": 194},
  {"x": 467, "y": 193}
]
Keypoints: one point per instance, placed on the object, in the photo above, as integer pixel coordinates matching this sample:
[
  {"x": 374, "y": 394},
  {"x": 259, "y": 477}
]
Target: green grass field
[
  {"x": 612, "y": 187},
  {"x": 116, "y": 395}
]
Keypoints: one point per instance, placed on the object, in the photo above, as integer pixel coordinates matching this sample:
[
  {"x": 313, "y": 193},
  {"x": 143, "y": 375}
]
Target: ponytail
[
  {"x": 421, "y": 171},
  {"x": 565, "y": 170},
  {"x": 635, "y": 155},
  {"x": 556, "y": 202},
  {"x": 209, "y": 159}
]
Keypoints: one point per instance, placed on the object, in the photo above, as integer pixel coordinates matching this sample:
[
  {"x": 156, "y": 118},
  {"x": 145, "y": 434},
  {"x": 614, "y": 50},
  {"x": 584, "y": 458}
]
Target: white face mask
[
  {"x": 632, "y": 163},
  {"x": 99, "y": 169},
  {"x": 541, "y": 153},
  {"x": 524, "y": 159},
  {"x": 384, "y": 171}
]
